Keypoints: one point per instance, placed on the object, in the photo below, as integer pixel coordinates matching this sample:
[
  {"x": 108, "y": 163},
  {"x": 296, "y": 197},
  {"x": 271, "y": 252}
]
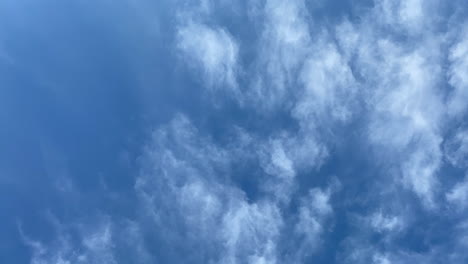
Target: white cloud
[
  {"x": 456, "y": 149},
  {"x": 282, "y": 156},
  {"x": 276, "y": 162},
  {"x": 459, "y": 194},
  {"x": 287, "y": 22},
  {"x": 380, "y": 259},
  {"x": 404, "y": 123},
  {"x": 348, "y": 38},
  {"x": 387, "y": 67},
  {"x": 420, "y": 172},
  {"x": 89, "y": 239},
  {"x": 383, "y": 223},
  {"x": 283, "y": 44},
  {"x": 95, "y": 246},
  {"x": 280, "y": 163},
  {"x": 314, "y": 216},
  {"x": 250, "y": 233},
  {"x": 211, "y": 49},
  {"x": 406, "y": 84},
  {"x": 411, "y": 16},
  {"x": 411, "y": 13},
  {"x": 182, "y": 185},
  {"x": 457, "y": 73},
  {"x": 329, "y": 85},
  {"x": 402, "y": 80}
]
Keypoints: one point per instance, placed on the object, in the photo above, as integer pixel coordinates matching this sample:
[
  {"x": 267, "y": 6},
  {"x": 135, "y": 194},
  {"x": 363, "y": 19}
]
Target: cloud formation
[
  {"x": 90, "y": 243},
  {"x": 211, "y": 49},
  {"x": 188, "y": 190},
  {"x": 343, "y": 140}
]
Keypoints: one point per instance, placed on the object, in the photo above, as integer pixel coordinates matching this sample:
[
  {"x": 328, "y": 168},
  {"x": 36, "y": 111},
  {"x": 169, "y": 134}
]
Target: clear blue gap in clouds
[{"x": 67, "y": 92}]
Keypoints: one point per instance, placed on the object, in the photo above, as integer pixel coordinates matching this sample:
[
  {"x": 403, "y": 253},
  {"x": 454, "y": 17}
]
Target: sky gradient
[{"x": 259, "y": 132}]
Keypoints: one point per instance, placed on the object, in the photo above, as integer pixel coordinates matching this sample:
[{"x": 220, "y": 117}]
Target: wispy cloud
[
  {"x": 188, "y": 186},
  {"x": 213, "y": 50},
  {"x": 92, "y": 246},
  {"x": 458, "y": 57}
]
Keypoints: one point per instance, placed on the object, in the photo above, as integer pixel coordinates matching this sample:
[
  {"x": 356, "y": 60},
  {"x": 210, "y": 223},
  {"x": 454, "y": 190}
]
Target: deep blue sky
[{"x": 266, "y": 131}]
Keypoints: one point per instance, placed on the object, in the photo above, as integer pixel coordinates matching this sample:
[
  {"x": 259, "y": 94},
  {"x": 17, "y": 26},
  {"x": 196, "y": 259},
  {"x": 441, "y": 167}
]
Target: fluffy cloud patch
[
  {"x": 458, "y": 58},
  {"x": 211, "y": 50},
  {"x": 314, "y": 211},
  {"x": 187, "y": 185},
  {"x": 98, "y": 243},
  {"x": 459, "y": 195},
  {"x": 403, "y": 80},
  {"x": 456, "y": 149},
  {"x": 329, "y": 85}
]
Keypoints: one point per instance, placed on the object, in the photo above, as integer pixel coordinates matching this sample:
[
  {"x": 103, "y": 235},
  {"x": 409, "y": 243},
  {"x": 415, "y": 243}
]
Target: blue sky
[{"x": 260, "y": 132}]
